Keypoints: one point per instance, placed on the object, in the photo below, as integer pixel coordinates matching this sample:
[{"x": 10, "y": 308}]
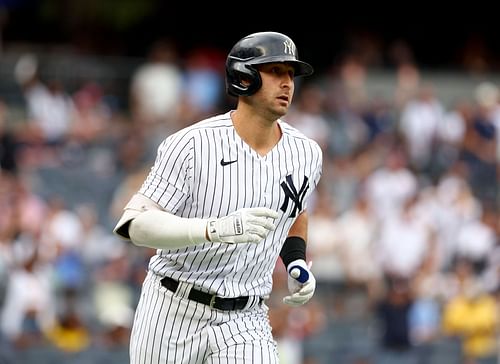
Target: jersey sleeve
[
  {"x": 169, "y": 181},
  {"x": 317, "y": 161},
  {"x": 316, "y": 170}
]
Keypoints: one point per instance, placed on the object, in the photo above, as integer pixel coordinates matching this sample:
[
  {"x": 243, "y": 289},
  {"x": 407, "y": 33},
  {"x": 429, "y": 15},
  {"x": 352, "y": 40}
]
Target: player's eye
[{"x": 280, "y": 70}]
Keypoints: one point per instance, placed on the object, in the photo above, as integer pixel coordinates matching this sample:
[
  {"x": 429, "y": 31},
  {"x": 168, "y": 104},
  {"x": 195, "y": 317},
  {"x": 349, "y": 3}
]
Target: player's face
[{"x": 277, "y": 88}]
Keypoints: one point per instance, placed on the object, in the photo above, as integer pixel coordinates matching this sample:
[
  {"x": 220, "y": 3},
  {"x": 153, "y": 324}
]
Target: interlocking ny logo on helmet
[
  {"x": 289, "y": 47},
  {"x": 259, "y": 48}
]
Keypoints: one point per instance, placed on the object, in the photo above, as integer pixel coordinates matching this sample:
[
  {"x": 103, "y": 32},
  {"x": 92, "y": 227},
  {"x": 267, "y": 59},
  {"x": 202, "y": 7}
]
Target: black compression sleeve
[{"x": 294, "y": 248}]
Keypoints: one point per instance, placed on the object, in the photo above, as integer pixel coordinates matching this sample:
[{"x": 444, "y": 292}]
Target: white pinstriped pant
[{"x": 169, "y": 328}]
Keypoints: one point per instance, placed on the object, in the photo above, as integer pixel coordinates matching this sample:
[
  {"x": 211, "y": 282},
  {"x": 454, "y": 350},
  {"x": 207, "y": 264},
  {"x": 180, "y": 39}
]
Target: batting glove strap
[
  {"x": 247, "y": 225},
  {"x": 301, "y": 283}
]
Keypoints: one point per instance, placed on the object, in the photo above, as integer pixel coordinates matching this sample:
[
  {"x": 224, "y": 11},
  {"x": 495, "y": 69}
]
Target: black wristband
[{"x": 294, "y": 248}]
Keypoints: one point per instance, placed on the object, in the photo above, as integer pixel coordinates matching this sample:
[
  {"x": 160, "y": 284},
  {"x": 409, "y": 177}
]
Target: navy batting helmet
[{"x": 259, "y": 48}]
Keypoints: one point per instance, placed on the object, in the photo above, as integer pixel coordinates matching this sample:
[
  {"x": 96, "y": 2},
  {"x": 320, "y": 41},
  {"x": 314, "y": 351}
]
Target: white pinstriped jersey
[{"x": 189, "y": 179}]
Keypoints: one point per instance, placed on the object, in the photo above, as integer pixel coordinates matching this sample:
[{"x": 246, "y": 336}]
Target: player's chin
[
  {"x": 282, "y": 103},
  {"x": 281, "y": 110}
]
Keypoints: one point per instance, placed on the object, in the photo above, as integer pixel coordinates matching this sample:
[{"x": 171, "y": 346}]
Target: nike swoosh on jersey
[{"x": 225, "y": 163}]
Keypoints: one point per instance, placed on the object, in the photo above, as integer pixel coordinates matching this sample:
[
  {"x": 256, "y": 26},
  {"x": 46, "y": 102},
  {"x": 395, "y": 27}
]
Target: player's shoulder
[
  {"x": 292, "y": 132},
  {"x": 200, "y": 126},
  {"x": 212, "y": 122}
]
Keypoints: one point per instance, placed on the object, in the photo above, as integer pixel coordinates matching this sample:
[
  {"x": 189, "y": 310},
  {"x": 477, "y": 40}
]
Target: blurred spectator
[
  {"x": 425, "y": 319},
  {"x": 156, "y": 86},
  {"x": 420, "y": 118},
  {"x": 449, "y": 137},
  {"x": 393, "y": 313},
  {"x": 49, "y": 106},
  {"x": 453, "y": 205},
  {"x": 408, "y": 80},
  {"x": 380, "y": 119},
  {"x": 61, "y": 231},
  {"x": 29, "y": 308},
  {"x": 69, "y": 333},
  {"x": 91, "y": 118},
  {"x": 97, "y": 244},
  {"x": 452, "y": 128},
  {"x": 323, "y": 250},
  {"x": 404, "y": 242},
  {"x": 9, "y": 219},
  {"x": 355, "y": 231},
  {"x": 481, "y": 143},
  {"x": 345, "y": 90},
  {"x": 113, "y": 297},
  {"x": 491, "y": 274},
  {"x": 476, "y": 239},
  {"x": 472, "y": 315},
  {"x": 203, "y": 85},
  {"x": 456, "y": 279},
  {"x": 353, "y": 77},
  {"x": 390, "y": 186},
  {"x": 8, "y": 143},
  {"x": 343, "y": 174},
  {"x": 30, "y": 208}
]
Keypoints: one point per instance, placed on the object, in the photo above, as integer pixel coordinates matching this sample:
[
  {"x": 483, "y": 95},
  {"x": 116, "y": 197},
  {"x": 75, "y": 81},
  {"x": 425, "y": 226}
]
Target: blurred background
[{"x": 404, "y": 226}]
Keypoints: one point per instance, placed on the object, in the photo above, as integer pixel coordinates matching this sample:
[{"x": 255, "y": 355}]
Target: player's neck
[{"x": 259, "y": 133}]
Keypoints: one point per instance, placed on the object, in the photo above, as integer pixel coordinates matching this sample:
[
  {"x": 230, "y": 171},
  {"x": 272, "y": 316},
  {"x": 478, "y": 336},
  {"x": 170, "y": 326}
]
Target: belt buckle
[{"x": 212, "y": 301}]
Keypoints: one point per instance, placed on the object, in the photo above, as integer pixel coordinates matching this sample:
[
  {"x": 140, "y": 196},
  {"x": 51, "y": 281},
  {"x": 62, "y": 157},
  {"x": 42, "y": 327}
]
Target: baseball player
[{"x": 225, "y": 198}]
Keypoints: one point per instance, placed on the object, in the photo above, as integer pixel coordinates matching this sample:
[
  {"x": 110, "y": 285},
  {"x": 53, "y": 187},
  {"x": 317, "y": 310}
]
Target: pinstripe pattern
[
  {"x": 188, "y": 180},
  {"x": 195, "y": 333}
]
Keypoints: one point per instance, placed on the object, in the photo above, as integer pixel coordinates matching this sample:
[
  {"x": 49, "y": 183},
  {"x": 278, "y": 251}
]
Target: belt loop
[
  {"x": 212, "y": 301},
  {"x": 253, "y": 301},
  {"x": 183, "y": 290}
]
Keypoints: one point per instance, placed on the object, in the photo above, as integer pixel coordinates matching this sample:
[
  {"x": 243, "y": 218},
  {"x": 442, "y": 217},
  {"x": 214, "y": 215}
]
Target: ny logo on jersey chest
[{"x": 291, "y": 193}]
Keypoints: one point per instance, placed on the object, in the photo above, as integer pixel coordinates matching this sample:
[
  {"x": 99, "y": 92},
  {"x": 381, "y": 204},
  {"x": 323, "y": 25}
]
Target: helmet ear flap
[{"x": 242, "y": 79}]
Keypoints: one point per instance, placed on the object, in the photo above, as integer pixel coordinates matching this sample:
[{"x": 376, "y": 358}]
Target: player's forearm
[
  {"x": 146, "y": 223},
  {"x": 162, "y": 230},
  {"x": 294, "y": 246},
  {"x": 300, "y": 226}
]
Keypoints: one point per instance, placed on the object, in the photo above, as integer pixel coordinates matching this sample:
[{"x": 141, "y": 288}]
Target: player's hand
[
  {"x": 301, "y": 283},
  {"x": 247, "y": 225}
]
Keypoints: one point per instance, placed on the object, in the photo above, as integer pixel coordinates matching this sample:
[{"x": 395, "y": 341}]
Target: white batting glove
[
  {"x": 301, "y": 283},
  {"x": 246, "y": 225}
]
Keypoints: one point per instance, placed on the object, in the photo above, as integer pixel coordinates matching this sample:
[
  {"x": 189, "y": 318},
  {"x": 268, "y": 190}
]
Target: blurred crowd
[{"x": 406, "y": 215}]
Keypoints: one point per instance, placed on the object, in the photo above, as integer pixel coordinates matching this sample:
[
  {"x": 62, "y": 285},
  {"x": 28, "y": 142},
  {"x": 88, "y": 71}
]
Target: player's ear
[{"x": 245, "y": 81}]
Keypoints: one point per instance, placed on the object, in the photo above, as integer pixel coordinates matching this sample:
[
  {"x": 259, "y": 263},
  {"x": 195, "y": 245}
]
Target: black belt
[{"x": 220, "y": 303}]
